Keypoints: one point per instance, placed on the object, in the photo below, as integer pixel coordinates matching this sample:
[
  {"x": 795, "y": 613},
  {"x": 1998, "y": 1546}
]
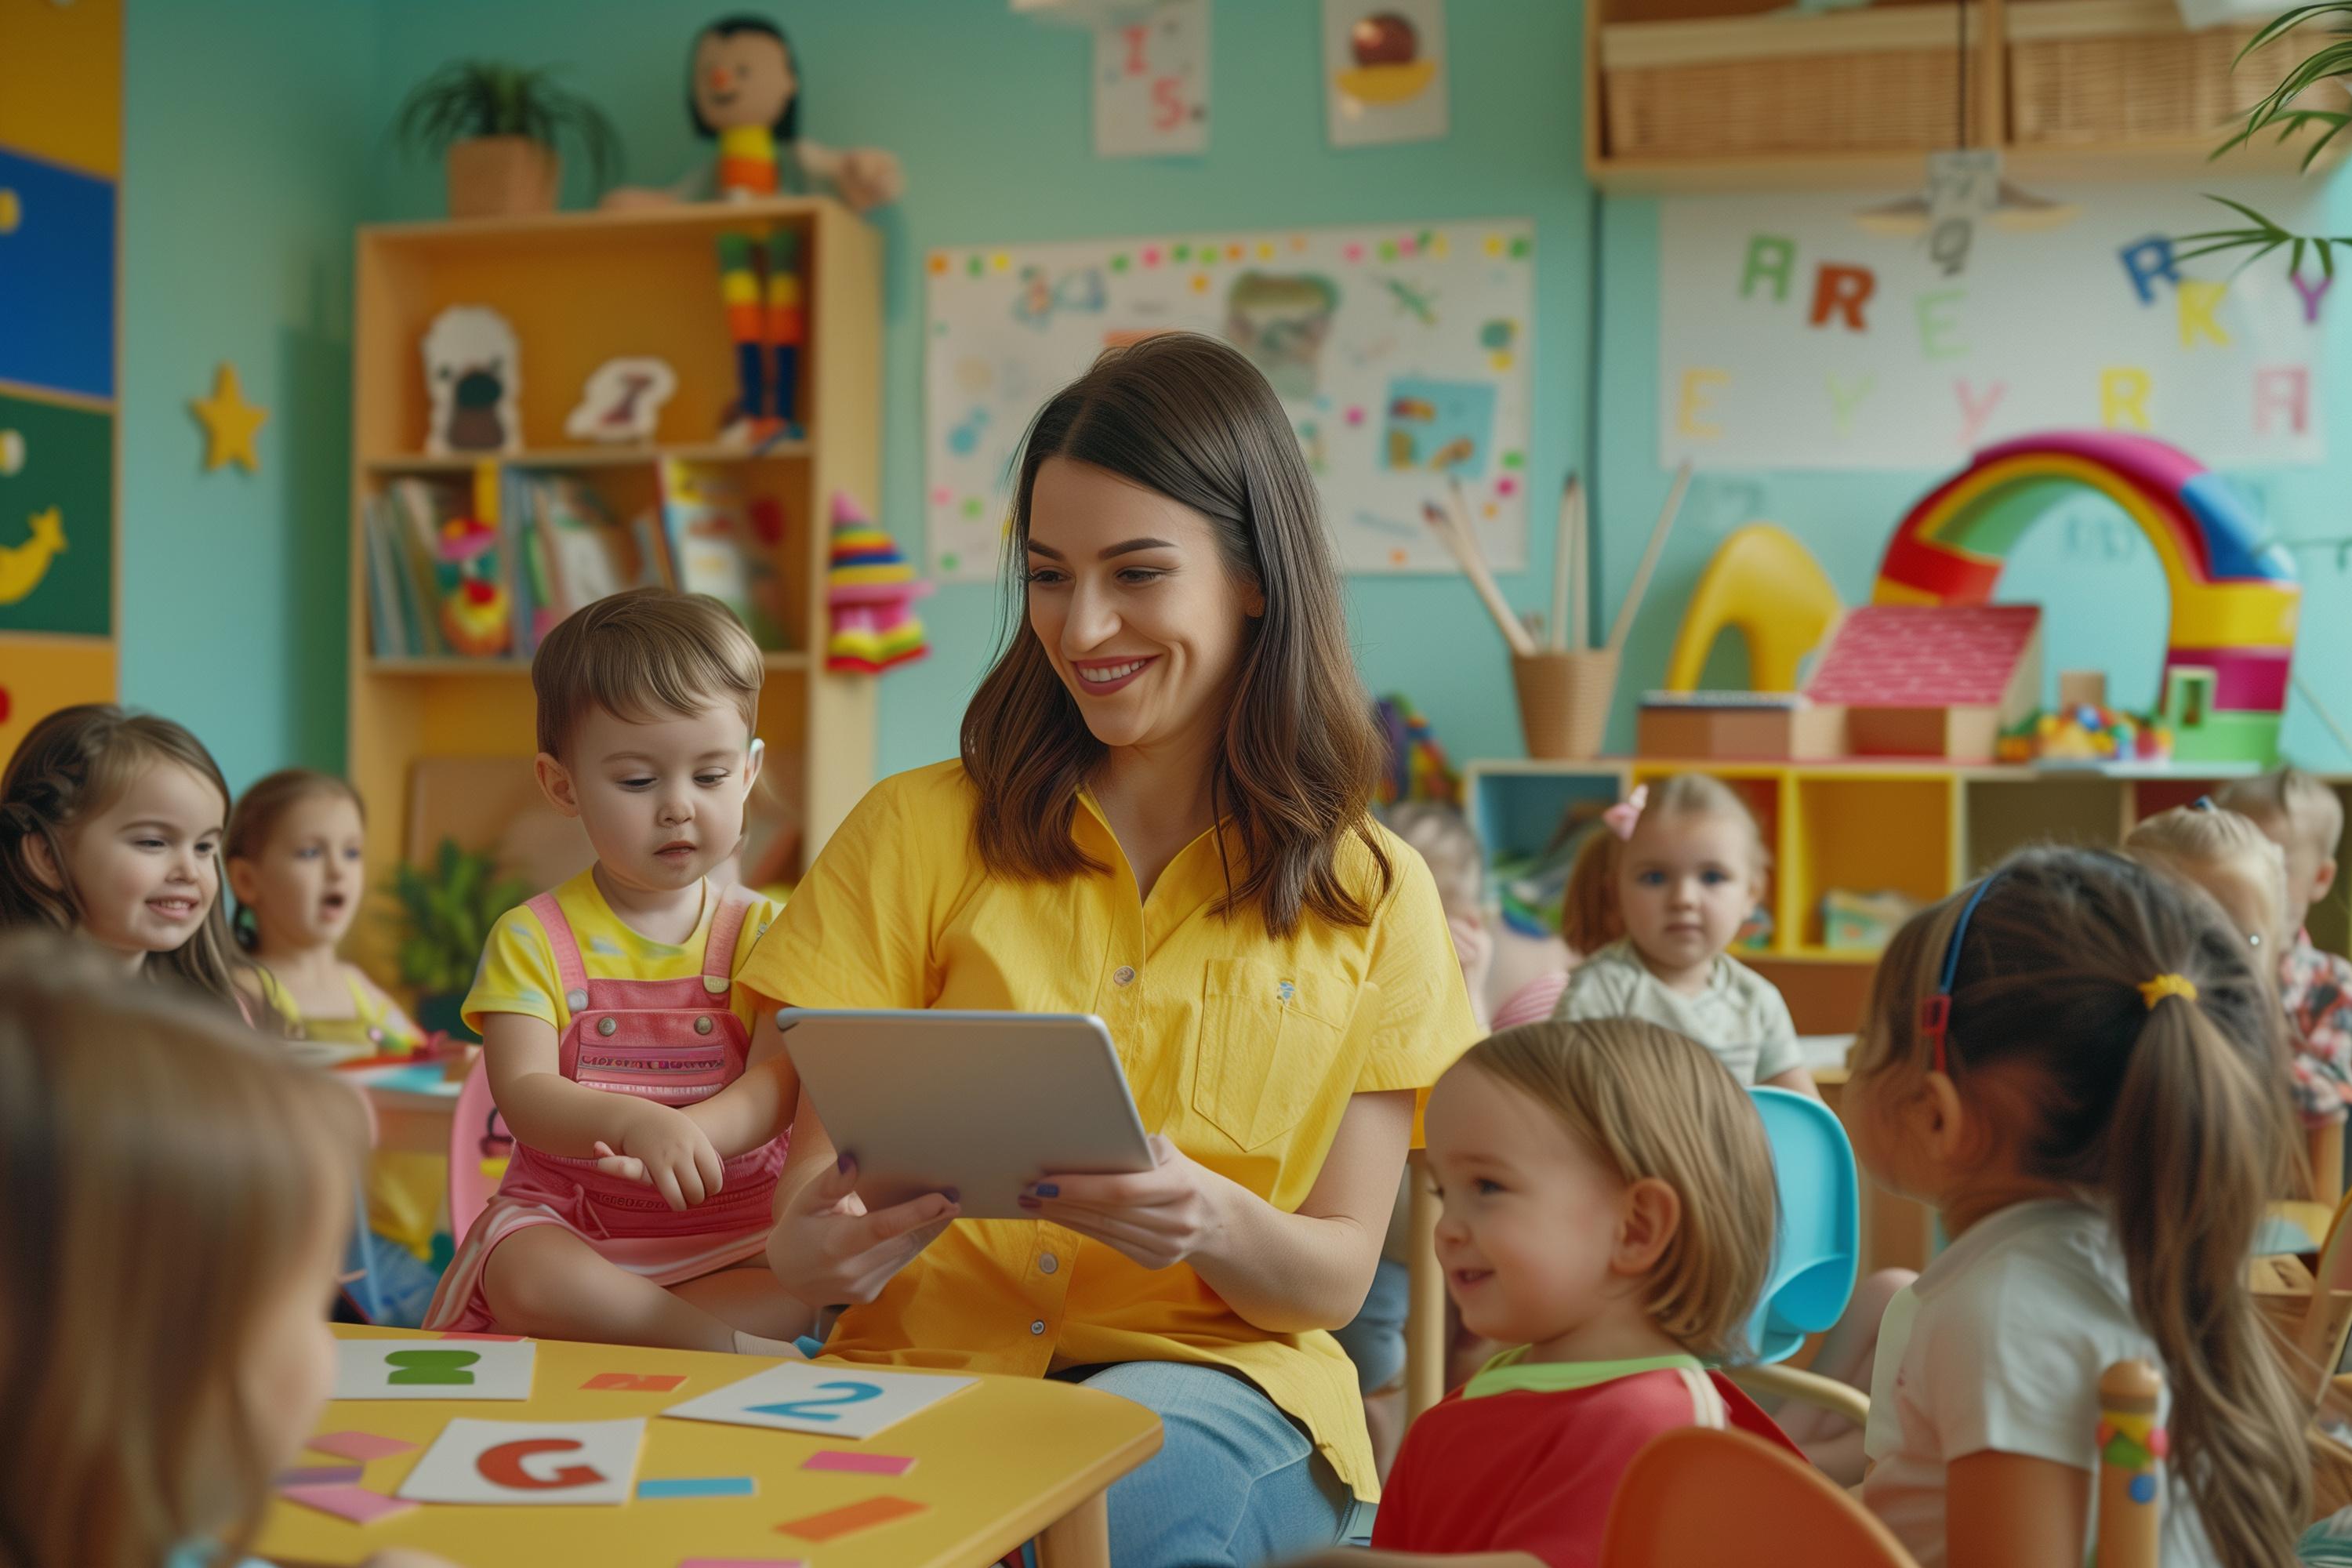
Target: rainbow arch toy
[{"x": 2235, "y": 601}]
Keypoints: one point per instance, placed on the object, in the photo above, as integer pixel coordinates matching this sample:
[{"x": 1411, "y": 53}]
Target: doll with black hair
[{"x": 743, "y": 91}]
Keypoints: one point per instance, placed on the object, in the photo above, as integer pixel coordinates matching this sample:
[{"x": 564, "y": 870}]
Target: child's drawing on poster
[
  {"x": 1793, "y": 332},
  {"x": 1401, "y": 355}
]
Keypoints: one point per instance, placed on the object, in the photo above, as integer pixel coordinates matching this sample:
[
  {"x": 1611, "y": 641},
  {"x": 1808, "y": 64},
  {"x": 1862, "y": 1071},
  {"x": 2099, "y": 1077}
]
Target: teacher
[{"x": 1160, "y": 816}]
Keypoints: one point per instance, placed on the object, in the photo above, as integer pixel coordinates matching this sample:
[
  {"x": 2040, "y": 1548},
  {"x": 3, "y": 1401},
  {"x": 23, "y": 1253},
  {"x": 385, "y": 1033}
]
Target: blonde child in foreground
[
  {"x": 1609, "y": 1209},
  {"x": 110, "y": 828},
  {"x": 1680, "y": 865},
  {"x": 648, "y": 1126},
  {"x": 165, "y": 1349},
  {"x": 293, "y": 852},
  {"x": 2074, "y": 1061},
  {"x": 2306, "y": 820}
]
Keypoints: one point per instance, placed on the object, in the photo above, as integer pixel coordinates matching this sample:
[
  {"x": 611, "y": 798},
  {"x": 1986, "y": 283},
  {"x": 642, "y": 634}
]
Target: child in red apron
[{"x": 648, "y": 1093}]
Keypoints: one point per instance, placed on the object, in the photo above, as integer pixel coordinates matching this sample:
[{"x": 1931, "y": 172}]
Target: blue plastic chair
[{"x": 1818, "y": 1247}]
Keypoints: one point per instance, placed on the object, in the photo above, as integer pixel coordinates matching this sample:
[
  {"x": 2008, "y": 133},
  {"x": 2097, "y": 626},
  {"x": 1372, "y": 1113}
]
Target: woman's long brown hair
[
  {"x": 77, "y": 762},
  {"x": 2174, "y": 1114},
  {"x": 1191, "y": 418},
  {"x": 166, "y": 1177}
]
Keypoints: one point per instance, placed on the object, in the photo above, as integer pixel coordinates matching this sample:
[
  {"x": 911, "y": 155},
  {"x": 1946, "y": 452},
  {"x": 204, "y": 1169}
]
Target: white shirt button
[
  {"x": 1123, "y": 975},
  {"x": 1048, "y": 1263},
  {"x": 1037, "y": 1327}
]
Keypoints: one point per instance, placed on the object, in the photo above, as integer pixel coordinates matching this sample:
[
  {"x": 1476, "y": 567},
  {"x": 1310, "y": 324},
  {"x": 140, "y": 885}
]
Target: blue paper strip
[{"x": 696, "y": 1486}]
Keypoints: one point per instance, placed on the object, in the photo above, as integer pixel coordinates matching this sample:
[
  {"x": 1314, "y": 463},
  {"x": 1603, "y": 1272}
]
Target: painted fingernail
[
  {"x": 1047, "y": 1190},
  {"x": 842, "y": 1165},
  {"x": 951, "y": 1194}
]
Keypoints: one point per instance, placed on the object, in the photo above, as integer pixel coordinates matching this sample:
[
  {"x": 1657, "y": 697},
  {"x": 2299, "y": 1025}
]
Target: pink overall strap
[
  {"x": 726, "y": 928},
  {"x": 570, "y": 973}
]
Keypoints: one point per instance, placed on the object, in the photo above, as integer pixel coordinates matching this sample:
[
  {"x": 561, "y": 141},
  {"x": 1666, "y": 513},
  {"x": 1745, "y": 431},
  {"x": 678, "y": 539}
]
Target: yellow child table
[{"x": 1010, "y": 1459}]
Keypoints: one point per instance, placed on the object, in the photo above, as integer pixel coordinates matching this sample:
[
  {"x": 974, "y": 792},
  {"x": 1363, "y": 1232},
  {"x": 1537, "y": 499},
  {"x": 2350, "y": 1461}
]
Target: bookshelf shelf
[
  {"x": 393, "y": 668},
  {"x": 560, "y": 458},
  {"x": 580, "y": 288}
]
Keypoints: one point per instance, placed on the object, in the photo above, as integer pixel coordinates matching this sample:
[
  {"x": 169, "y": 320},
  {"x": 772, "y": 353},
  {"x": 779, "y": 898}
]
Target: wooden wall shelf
[{"x": 1693, "y": 96}]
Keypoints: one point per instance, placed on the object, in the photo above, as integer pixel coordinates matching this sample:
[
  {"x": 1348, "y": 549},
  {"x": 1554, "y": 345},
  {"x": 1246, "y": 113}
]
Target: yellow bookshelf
[
  {"x": 1921, "y": 829},
  {"x": 580, "y": 288}
]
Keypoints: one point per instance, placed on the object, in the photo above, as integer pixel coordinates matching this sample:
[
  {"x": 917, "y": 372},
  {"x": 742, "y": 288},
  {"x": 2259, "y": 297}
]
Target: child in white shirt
[
  {"x": 2077, "y": 1063},
  {"x": 1683, "y": 864}
]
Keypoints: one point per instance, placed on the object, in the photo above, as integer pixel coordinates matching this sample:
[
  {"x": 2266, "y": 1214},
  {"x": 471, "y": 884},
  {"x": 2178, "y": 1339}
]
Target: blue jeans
[
  {"x": 1235, "y": 1483},
  {"x": 1375, "y": 1341}
]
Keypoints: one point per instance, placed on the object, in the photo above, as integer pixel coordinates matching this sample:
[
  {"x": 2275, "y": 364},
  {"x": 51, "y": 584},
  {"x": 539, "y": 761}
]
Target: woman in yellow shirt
[{"x": 1160, "y": 816}]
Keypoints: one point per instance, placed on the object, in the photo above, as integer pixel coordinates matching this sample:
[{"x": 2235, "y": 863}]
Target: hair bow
[{"x": 1627, "y": 815}]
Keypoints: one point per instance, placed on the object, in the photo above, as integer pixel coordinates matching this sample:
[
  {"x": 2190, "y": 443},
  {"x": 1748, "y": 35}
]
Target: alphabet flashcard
[{"x": 528, "y": 1462}]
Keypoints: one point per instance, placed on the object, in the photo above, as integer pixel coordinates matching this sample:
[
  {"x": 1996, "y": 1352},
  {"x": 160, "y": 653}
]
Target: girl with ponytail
[{"x": 2075, "y": 1062}]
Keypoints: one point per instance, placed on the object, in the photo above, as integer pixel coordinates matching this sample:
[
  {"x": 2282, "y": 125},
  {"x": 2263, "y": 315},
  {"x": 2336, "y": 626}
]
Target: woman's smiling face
[{"x": 1130, "y": 598}]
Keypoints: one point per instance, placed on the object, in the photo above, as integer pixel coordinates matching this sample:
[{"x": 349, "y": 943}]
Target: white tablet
[{"x": 980, "y": 1103}]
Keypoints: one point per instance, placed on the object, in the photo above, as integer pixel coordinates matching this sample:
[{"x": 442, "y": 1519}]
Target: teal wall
[
  {"x": 255, "y": 142},
  {"x": 244, "y": 168},
  {"x": 991, "y": 116}
]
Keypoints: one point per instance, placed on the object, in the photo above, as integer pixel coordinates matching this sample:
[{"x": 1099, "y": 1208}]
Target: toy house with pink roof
[{"x": 1937, "y": 681}]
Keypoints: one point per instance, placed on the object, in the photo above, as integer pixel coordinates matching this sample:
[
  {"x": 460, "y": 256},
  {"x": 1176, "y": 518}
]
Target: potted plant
[
  {"x": 2291, "y": 114},
  {"x": 496, "y": 128},
  {"x": 448, "y": 910}
]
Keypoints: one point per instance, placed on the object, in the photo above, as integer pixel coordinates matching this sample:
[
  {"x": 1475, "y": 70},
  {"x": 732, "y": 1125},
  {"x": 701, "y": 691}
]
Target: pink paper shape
[
  {"x": 360, "y": 1446},
  {"x": 320, "y": 1475},
  {"x": 357, "y": 1504},
  {"x": 858, "y": 1464}
]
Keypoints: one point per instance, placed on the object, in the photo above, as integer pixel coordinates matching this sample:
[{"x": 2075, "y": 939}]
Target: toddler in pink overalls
[{"x": 649, "y": 1094}]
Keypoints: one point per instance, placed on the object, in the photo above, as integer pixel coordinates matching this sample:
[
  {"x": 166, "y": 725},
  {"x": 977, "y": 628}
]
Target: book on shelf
[
  {"x": 722, "y": 543},
  {"x": 582, "y": 553},
  {"x": 425, "y": 539}
]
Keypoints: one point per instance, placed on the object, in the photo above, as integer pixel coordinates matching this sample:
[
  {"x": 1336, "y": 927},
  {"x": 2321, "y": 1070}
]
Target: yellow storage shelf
[{"x": 1918, "y": 829}]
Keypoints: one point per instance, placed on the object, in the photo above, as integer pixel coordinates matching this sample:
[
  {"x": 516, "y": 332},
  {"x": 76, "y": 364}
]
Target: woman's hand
[
  {"x": 1159, "y": 1217},
  {"x": 828, "y": 1251},
  {"x": 668, "y": 1150}
]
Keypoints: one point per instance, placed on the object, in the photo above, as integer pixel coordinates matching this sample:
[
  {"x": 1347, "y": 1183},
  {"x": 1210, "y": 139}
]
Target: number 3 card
[
  {"x": 840, "y": 1402},
  {"x": 528, "y": 1462},
  {"x": 410, "y": 1369}
]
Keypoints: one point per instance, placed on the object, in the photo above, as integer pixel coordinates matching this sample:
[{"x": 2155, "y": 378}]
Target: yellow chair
[{"x": 1764, "y": 584}]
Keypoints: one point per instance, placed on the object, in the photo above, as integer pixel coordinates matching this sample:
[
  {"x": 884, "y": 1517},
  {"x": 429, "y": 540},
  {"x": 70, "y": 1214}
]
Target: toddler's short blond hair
[
  {"x": 2308, "y": 807},
  {"x": 1652, "y": 1103},
  {"x": 642, "y": 653}
]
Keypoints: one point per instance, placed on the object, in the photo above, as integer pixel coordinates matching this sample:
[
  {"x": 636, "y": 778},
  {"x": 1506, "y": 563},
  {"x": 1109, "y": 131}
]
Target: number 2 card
[
  {"x": 837, "y": 1401},
  {"x": 429, "y": 1369}
]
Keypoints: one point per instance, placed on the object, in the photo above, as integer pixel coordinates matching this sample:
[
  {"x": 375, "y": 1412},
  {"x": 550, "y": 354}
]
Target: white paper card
[
  {"x": 529, "y": 1463},
  {"x": 434, "y": 1369},
  {"x": 1151, "y": 83},
  {"x": 841, "y": 1402},
  {"x": 1383, "y": 70}
]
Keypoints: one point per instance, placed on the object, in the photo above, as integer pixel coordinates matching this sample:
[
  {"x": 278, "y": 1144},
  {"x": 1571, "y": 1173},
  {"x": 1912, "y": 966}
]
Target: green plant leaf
[{"x": 466, "y": 98}]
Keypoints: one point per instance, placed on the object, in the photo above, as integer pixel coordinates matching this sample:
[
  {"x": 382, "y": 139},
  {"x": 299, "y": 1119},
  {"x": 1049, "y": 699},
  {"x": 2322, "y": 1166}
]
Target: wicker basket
[
  {"x": 2086, "y": 71},
  {"x": 1879, "y": 80}
]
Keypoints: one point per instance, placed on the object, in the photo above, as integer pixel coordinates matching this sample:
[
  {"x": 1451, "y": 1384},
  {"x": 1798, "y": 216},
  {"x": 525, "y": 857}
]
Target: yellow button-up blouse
[{"x": 1241, "y": 1047}]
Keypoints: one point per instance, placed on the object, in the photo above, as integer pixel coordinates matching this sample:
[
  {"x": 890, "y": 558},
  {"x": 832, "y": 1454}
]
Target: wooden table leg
[
  {"x": 1424, "y": 1342},
  {"x": 1079, "y": 1538}
]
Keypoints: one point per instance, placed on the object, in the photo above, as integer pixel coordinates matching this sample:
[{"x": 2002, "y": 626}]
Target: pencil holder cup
[{"x": 1564, "y": 700}]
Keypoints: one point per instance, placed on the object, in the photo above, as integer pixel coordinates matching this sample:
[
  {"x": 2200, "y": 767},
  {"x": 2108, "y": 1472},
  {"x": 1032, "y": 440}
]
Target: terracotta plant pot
[{"x": 502, "y": 176}]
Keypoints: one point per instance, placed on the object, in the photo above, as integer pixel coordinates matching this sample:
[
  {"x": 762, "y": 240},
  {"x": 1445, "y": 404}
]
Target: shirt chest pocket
[{"x": 1272, "y": 1047}]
